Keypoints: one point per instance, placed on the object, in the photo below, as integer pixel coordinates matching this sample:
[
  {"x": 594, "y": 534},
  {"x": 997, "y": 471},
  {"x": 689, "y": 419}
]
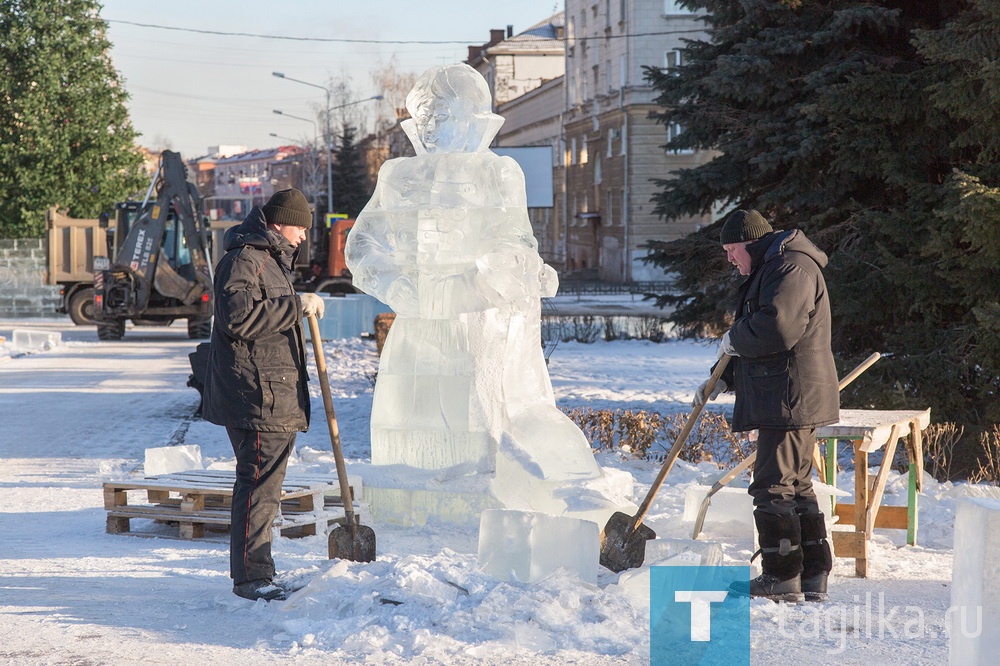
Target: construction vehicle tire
[
  {"x": 111, "y": 329},
  {"x": 81, "y": 307}
]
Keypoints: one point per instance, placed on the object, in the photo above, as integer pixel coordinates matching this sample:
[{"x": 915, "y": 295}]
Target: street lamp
[
  {"x": 286, "y": 138},
  {"x": 329, "y": 144},
  {"x": 288, "y": 115}
]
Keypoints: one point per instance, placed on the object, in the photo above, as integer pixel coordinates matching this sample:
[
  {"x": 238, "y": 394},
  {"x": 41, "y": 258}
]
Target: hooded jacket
[
  {"x": 785, "y": 377},
  {"x": 257, "y": 376}
]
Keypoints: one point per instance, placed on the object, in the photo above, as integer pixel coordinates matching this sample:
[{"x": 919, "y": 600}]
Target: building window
[
  {"x": 672, "y": 60},
  {"x": 673, "y": 7},
  {"x": 583, "y": 84},
  {"x": 597, "y": 170},
  {"x": 623, "y": 71},
  {"x": 607, "y": 13},
  {"x": 621, "y": 11},
  {"x": 621, "y": 217},
  {"x": 609, "y": 215},
  {"x": 611, "y": 140},
  {"x": 607, "y": 74},
  {"x": 572, "y": 150},
  {"x": 674, "y": 130},
  {"x": 584, "y": 157}
]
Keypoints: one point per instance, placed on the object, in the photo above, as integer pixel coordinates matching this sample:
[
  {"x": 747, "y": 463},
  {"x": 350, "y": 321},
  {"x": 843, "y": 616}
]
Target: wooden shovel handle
[
  {"x": 331, "y": 422},
  {"x": 675, "y": 450}
]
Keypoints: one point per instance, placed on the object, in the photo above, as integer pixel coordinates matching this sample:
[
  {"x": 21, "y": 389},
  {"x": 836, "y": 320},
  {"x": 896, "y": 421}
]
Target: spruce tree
[
  {"x": 350, "y": 178},
  {"x": 870, "y": 125},
  {"x": 65, "y": 135}
]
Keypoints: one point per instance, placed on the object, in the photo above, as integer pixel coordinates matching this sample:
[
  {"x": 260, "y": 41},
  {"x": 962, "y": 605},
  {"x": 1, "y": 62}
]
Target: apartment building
[
  {"x": 611, "y": 148},
  {"x": 247, "y": 179},
  {"x": 525, "y": 75}
]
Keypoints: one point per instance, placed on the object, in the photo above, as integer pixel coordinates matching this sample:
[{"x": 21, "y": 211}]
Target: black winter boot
[
  {"x": 817, "y": 558},
  {"x": 781, "y": 559}
]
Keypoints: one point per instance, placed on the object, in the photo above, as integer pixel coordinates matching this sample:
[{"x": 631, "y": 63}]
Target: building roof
[{"x": 543, "y": 38}]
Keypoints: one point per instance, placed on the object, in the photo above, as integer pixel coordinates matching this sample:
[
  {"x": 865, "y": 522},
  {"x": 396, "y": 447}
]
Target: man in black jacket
[
  {"x": 256, "y": 385},
  {"x": 785, "y": 381}
]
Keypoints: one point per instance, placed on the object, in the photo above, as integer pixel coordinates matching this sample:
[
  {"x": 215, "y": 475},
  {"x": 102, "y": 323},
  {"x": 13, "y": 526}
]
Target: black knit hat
[
  {"x": 744, "y": 225},
  {"x": 288, "y": 207}
]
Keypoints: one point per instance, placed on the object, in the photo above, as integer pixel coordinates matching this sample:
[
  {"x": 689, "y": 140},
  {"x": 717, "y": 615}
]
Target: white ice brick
[
  {"x": 519, "y": 485},
  {"x": 348, "y": 316},
  {"x": 417, "y": 506},
  {"x": 168, "y": 459},
  {"x": 702, "y": 553},
  {"x": 25, "y": 340},
  {"x": 529, "y": 545},
  {"x": 975, "y": 582},
  {"x": 729, "y": 504}
]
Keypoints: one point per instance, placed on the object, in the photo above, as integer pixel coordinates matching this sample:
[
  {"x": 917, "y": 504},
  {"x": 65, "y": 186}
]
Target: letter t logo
[{"x": 701, "y": 612}]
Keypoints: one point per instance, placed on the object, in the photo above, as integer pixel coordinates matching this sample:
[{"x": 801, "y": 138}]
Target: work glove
[
  {"x": 726, "y": 347},
  {"x": 699, "y": 395},
  {"x": 312, "y": 305}
]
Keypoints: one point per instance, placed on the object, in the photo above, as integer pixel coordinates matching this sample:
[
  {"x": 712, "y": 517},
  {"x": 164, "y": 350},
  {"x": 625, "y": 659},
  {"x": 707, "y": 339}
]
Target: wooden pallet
[{"x": 198, "y": 501}]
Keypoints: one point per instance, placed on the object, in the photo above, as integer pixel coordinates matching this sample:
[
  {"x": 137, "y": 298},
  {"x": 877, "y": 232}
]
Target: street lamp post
[{"x": 329, "y": 145}]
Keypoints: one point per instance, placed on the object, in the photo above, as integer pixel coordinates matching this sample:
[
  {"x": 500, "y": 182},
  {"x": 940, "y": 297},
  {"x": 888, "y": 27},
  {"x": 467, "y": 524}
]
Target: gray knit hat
[
  {"x": 288, "y": 207},
  {"x": 744, "y": 225}
]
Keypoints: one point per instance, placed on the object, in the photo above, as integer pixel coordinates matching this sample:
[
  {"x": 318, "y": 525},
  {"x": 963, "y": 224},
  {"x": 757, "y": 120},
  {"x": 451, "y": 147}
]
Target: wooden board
[{"x": 199, "y": 501}]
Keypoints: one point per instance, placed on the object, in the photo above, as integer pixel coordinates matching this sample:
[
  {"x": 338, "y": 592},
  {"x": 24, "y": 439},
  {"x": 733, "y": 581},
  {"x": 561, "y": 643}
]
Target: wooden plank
[
  {"x": 288, "y": 492},
  {"x": 916, "y": 453},
  {"x": 879, "y": 487},
  {"x": 849, "y": 544},
  {"x": 117, "y": 524},
  {"x": 818, "y": 463},
  {"x": 861, "y": 505},
  {"x": 889, "y": 517},
  {"x": 114, "y": 497}
]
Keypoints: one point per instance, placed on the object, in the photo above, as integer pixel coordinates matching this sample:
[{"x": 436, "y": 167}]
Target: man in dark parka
[
  {"x": 785, "y": 381},
  {"x": 256, "y": 385}
]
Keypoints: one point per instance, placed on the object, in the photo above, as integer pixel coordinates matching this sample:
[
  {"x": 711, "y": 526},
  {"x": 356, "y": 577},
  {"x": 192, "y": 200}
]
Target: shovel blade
[
  {"x": 357, "y": 545},
  {"x": 699, "y": 521},
  {"x": 621, "y": 546}
]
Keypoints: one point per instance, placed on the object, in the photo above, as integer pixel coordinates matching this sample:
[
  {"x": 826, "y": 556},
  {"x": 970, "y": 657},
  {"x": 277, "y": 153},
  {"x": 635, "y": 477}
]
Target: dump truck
[{"x": 72, "y": 245}]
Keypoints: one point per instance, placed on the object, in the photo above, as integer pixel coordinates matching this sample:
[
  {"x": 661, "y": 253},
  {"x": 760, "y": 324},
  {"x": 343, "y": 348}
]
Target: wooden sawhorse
[{"x": 871, "y": 430}]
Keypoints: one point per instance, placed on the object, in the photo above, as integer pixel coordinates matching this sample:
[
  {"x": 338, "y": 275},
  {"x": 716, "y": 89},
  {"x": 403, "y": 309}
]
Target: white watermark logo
[
  {"x": 874, "y": 620},
  {"x": 701, "y": 610}
]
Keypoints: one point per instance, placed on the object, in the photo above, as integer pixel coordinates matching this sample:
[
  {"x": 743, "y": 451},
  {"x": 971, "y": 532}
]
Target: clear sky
[{"x": 190, "y": 91}]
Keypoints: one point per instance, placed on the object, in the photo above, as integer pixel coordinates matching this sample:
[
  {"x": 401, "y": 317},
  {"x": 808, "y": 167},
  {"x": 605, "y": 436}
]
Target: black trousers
[
  {"x": 782, "y": 473},
  {"x": 261, "y": 458}
]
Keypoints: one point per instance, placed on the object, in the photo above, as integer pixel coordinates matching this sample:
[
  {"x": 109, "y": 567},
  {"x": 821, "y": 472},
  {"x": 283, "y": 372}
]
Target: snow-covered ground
[{"x": 84, "y": 412}]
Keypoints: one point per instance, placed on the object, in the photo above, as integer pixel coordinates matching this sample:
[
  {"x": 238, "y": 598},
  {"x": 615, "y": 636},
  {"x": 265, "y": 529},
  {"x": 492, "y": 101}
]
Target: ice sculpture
[{"x": 445, "y": 241}]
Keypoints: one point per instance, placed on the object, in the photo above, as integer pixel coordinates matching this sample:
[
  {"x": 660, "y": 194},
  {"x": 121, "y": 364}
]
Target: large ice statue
[{"x": 463, "y": 392}]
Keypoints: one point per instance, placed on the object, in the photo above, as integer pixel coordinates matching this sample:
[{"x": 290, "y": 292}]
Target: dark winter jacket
[
  {"x": 256, "y": 376},
  {"x": 784, "y": 377}
]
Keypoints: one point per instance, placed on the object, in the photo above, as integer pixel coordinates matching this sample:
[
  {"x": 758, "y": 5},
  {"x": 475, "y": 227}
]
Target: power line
[
  {"x": 285, "y": 37},
  {"x": 387, "y": 41}
]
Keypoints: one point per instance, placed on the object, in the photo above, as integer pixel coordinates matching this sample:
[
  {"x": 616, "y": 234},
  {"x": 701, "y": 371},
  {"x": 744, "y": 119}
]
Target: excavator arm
[{"x": 143, "y": 268}]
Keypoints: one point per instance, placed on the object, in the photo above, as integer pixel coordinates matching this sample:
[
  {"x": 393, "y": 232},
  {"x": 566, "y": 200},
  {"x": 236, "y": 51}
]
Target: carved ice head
[{"x": 450, "y": 109}]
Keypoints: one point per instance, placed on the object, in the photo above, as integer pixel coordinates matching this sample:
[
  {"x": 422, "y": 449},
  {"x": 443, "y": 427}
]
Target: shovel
[
  {"x": 623, "y": 541},
  {"x": 699, "y": 522},
  {"x": 355, "y": 542}
]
